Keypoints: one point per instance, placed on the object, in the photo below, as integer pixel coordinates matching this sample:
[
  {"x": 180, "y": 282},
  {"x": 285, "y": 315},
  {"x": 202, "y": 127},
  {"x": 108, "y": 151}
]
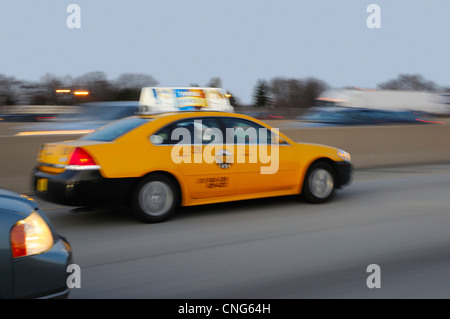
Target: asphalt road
[{"x": 397, "y": 218}]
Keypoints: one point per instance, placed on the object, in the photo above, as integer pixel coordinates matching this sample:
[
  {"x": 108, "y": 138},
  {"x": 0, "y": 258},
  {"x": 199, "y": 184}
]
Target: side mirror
[
  {"x": 208, "y": 135},
  {"x": 156, "y": 139}
]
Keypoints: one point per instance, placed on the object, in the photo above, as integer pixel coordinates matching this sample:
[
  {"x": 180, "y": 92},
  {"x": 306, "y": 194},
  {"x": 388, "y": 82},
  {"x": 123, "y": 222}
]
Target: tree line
[
  {"x": 60, "y": 90},
  {"x": 301, "y": 93},
  {"x": 278, "y": 92}
]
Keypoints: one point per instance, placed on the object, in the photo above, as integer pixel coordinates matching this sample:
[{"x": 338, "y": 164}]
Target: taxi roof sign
[{"x": 169, "y": 99}]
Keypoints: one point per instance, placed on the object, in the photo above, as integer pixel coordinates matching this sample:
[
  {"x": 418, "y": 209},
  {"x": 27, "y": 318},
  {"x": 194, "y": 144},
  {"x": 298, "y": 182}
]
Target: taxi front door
[
  {"x": 265, "y": 163},
  {"x": 203, "y": 160}
]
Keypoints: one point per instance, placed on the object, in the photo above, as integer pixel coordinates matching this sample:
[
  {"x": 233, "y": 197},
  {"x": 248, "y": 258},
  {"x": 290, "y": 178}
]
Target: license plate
[{"x": 42, "y": 184}]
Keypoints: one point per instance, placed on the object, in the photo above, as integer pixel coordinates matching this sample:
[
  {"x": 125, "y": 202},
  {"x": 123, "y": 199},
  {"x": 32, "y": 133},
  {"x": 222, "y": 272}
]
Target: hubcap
[
  {"x": 155, "y": 198},
  {"x": 321, "y": 183}
]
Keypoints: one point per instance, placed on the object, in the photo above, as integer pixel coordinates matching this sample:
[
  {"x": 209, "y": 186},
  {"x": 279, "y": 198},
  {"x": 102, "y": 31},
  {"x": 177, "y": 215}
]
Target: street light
[
  {"x": 62, "y": 91},
  {"x": 81, "y": 92}
]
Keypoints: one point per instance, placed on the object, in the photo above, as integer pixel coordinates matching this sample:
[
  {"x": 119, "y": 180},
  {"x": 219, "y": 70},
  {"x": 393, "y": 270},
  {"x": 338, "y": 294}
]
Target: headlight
[
  {"x": 344, "y": 155},
  {"x": 30, "y": 236}
]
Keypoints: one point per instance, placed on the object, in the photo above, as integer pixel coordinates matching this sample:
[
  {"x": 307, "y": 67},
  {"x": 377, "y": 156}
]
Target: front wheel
[
  {"x": 155, "y": 199},
  {"x": 319, "y": 184}
]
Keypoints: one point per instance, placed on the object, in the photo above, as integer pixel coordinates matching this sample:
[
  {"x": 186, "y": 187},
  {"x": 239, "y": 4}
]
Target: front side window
[{"x": 241, "y": 131}]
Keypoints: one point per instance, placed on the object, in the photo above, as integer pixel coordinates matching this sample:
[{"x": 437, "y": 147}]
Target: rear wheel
[
  {"x": 319, "y": 184},
  {"x": 155, "y": 199}
]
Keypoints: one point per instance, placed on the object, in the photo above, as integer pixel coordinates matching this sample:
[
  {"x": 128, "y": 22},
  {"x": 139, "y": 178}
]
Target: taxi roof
[
  {"x": 183, "y": 114},
  {"x": 175, "y": 99}
]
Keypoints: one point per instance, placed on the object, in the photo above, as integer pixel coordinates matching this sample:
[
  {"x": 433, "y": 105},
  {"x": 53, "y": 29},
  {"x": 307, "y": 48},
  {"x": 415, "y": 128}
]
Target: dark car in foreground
[{"x": 33, "y": 257}]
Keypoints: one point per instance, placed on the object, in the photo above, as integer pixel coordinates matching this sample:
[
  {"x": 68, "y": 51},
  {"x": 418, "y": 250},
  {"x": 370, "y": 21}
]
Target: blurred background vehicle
[
  {"x": 89, "y": 117},
  {"x": 27, "y": 117},
  {"x": 34, "y": 113},
  {"x": 261, "y": 115},
  {"x": 436, "y": 103},
  {"x": 362, "y": 116},
  {"x": 101, "y": 112},
  {"x": 33, "y": 257}
]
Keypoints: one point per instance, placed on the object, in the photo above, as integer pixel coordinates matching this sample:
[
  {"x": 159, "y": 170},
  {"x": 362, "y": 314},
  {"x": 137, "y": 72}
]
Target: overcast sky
[{"x": 181, "y": 42}]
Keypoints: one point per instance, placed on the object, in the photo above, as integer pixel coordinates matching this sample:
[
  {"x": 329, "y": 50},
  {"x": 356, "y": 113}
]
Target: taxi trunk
[
  {"x": 68, "y": 174},
  {"x": 55, "y": 158}
]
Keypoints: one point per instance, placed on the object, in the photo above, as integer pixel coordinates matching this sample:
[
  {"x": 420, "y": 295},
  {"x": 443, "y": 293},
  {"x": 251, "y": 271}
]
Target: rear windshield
[{"x": 114, "y": 130}]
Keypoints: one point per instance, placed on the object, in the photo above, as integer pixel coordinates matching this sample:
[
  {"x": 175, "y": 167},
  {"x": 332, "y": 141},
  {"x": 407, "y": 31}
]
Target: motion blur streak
[
  {"x": 76, "y": 132},
  {"x": 434, "y": 122}
]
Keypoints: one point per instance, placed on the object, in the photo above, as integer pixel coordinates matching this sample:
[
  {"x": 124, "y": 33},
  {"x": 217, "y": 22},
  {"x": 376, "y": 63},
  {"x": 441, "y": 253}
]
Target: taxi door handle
[{"x": 246, "y": 153}]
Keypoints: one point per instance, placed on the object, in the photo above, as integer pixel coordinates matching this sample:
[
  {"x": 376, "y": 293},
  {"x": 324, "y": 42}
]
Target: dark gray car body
[{"x": 37, "y": 276}]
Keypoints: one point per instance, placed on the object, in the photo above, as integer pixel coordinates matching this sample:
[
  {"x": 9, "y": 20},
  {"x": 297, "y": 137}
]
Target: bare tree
[
  {"x": 8, "y": 87},
  {"x": 128, "y": 86},
  {"x": 100, "y": 89},
  {"x": 135, "y": 81},
  {"x": 412, "y": 82},
  {"x": 215, "y": 82},
  {"x": 312, "y": 90},
  {"x": 300, "y": 93},
  {"x": 285, "y": 91},
  {"x": 49, "y": 83}
]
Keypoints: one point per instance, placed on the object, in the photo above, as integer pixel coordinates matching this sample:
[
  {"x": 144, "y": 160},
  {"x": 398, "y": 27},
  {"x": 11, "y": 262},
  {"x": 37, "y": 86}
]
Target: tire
[
  {"x": 155, "y": 199},
  {"x": 320, "y": 183}
]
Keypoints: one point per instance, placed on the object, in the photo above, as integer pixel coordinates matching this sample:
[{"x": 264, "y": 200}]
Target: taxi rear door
[{"x": 201, "y": 158}]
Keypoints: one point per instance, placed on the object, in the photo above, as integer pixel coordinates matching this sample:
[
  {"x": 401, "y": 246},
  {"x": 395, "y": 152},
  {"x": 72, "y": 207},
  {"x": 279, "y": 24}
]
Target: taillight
[
  {"x": 81, "y": 158},
  {"x": 30, "y": 236}
]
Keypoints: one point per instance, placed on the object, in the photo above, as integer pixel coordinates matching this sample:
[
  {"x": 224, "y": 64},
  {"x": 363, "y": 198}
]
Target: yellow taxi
[{"x": 155, "y": 162}]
